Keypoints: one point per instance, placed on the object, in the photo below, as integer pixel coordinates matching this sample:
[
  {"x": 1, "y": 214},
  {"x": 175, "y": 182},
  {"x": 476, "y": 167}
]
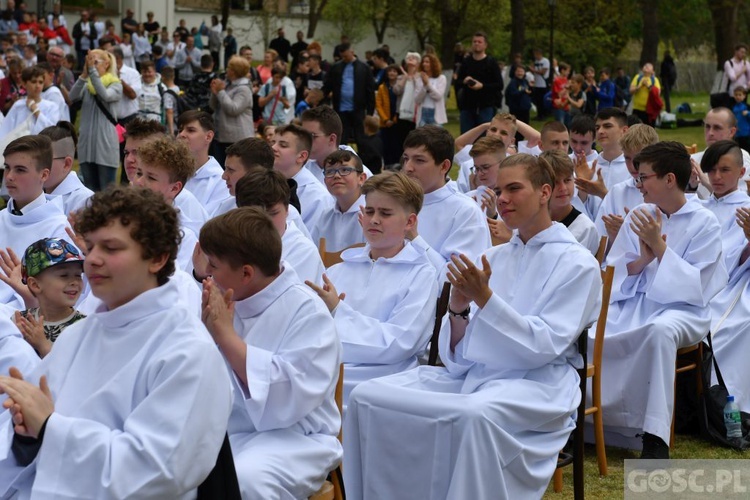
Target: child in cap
[{"x": 51, "y": 270}]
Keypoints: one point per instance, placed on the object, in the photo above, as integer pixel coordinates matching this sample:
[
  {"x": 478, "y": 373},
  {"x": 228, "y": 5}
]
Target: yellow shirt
[{"x": 640, "y": 97}]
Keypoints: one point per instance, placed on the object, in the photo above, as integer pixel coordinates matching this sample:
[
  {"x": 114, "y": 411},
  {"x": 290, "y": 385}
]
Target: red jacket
[{"x": 654, "y": 104}]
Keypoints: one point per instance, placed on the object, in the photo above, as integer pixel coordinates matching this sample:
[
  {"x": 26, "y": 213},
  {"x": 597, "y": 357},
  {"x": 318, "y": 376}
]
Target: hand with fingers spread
[
  {"x": 217, "y": 310},
  {"x": 327, "y": 292},
  {"x": 470, "y": 282},
  {"x": 32, "y": 330},
  {"x": 30, "y": 406},
  {"x": 613, "y": 223},
  {"x": 361, "y": 216},
  {"x": 648, "y": 229},
  {"x": 743, "y": 220},
  {"x": 595, "y": 187},
  {"x": 489, "y": 202},
  {"x": 698, "y": 177},
  {"x": 75, "y": 237}
]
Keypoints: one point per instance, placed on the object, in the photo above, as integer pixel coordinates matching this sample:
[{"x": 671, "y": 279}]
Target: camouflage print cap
[{"x": 46, "y": 253}]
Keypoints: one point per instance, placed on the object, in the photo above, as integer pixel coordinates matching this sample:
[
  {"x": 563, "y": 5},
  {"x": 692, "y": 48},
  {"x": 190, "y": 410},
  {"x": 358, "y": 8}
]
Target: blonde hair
[
  {"x": 170, "y": 155},
  {"x": 638, "y": 137},
  {"x": 561, "y": 163},
  {"x": 405, "y": 190},
  {"x": 239, "y": 66},
  {"x": 112, "y": 70},
  {"x": 488, "y": 145},
  {"x": 506, "y": 117}
]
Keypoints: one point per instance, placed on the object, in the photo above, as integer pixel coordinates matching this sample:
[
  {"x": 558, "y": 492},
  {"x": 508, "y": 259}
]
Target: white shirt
[
  {"x": 126, "y": 106},
  {"x": 53, "y": 94},
  {"x": 192, "y": 213},
  {"x": 302, "y": 254},
  {"x": 340, "y": 229},
  {"x": 49, "y": 114},
  {"x": 314, "y": 199},
  {"x": 208, "y": 186},
  {"x": 74, "y": 194}
]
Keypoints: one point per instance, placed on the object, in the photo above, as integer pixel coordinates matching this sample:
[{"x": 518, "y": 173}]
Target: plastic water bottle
[{"x": 732, "y": 419}]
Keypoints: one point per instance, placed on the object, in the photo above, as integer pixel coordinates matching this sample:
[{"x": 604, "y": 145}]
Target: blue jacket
[{"x": 606, "y": 94}]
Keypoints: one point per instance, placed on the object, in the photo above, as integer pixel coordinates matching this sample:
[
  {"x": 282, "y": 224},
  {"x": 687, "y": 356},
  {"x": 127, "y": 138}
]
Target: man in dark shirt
[
  {"x": 297, "y": 47},
  {"x": 479, "y": 82},
  {"x": 281, "y": 45},
  {"x": 128, "y": 24}
]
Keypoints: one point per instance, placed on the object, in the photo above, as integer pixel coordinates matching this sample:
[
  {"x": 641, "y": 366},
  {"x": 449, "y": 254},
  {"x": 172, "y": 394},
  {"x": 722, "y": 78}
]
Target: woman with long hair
[
  {"x": 99, "y": 89},
  {"x": 430, "y": 95}
]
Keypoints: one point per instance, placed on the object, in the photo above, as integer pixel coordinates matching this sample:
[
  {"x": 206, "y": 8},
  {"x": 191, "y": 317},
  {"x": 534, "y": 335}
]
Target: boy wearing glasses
[
  {"x": 668, "y": 266},
  {"x": 486, "y": 153},
  {"x": 344, "y": 176}
]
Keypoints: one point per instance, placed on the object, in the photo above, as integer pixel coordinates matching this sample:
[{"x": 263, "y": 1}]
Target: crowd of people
[{"x": 177, "y": 334}]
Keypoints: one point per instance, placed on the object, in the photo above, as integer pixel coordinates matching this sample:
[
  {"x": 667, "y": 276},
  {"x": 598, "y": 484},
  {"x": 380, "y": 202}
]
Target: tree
[
  {"x": 518, "y": 28},
  {"x": 380, "y": 17},
  {"x": 314, "y": 14},
  {"x": 650, "y": 16},
  {"x": 724, "y": 21}
]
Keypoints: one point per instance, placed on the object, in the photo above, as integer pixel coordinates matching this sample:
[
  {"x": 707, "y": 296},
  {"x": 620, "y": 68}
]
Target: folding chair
[
  {"x": 442, "y": 308},
  {"x": 688, "y": 358},
  {"x": 333, "y": 488},
  {"x": 331, "y": 258}
]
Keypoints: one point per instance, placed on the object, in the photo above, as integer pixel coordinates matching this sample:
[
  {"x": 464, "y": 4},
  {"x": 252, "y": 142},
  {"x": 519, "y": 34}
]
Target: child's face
[
  {"x": 603, "y": 76},
  {"x": 629, "y": 155},
  {"x": 197, "y": 139},
  {"x": 609, "y": 132},
  {"x": 276, "y": 80},
  {"x": 278, "y": 214},
  {"x": 520, "y": 72},
  {"x": 419, "y": 164},
  {"x": 726, "y": 174},
  {"x": 564, "y": 71},
  {"x": 115, "y": 267},
  {"x": 148, "y": 74},
  {"x": 739, "y": 96},
  {"x": 23, "y": 181},
  {"x": 503, "y": 130},
  {"x": 269, "y": 132},
  {"x": 59, "y": 285},
  {"x": 555, "y": 141},
  {"x": 392, "y": 75},
  {"x": 652, "y": 188},
  {"x": 581, "y": 143},
  {"x": 60, "y": 168},
  {"x": 322, "y": 144},
  {"x": 34, "y": 87},
  {"x": 486, "y": 167},
  {"x": 226, "y": 276},
  {"x": 233, "y": 171},
  {"x": 344, "y": 185},
  {"x": 156, "y": 179},
  {"x": 563, "y": 193},
  {"x": 519, "y": 203},
  {"x": 286, "y": 156},
  {"x": 575, "y": 86},
  {"x": 130, "y": 162},
  {"x": 385, "y": 221},
  {"x": 588, "y": 75}
]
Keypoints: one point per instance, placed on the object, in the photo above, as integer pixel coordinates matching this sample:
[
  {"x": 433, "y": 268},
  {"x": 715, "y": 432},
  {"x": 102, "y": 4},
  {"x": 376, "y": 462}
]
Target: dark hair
[
  {"x": 243, "y": 236},
  {"x": 167, "y": 72},
  {"x": 252, "y": 152},
  {"x": 718, "y": 149},
  {"x": 553, "y": 126},
  {"x": 329, "y": 120},
  {"x": 61, "y": 130},
  {"x": 29, "y": 74},
  {"x": 151, "y": 218},
  {"x": 39, "y": 147},
  {"x": 205, "y": 120},
  {"x": 343, "y": 47},
  {"x": 381, "y": 54},
  {"x": 341, "y": 156},
  {"x": 619, "y": 115},
  {"x": 141, "y": 128},
  {"x": 207, "y": 61},
  {"x": 304, "y": 138},
  {"x": 667, "y": 157},
  {"x": 583, "y": 124},
  {"x": 147, "y": 64},
  {"x": 117, "y": 52},
  {"x": 480, "y": 33},
  {"x": 261, "y": 187},
  {"x": 436, "y": 140}
]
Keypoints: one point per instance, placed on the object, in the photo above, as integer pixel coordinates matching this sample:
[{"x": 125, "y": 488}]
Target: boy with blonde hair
[
  {"x": 560, "y": 206},
  {"x": 382, "y": 296},
  {"x": 487, "y": 154},
  {"x": 283, "y": 356}
]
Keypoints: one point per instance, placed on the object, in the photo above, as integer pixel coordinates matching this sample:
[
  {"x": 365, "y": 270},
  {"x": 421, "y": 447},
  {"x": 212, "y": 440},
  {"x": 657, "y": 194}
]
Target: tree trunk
[
  {"x": 724, "y": 19},
  {"x": 452, "y": 15},
  {"x": 380, "y": 22},
  {"x": 517, "y": 28},
  {"x": 225, "y": 5},
  {"x": 313, "y": 15},
  {"x": 650, "y": 47}
]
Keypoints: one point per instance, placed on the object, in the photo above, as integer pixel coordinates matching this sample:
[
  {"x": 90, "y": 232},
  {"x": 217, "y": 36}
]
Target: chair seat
[
  {"x": 590, "y": 370},
  {"x": 324, "y": 493}
]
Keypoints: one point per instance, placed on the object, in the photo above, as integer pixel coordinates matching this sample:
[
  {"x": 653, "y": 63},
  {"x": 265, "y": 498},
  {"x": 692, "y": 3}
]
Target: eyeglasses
[
  {"x": 483, "y": 168},
  {"x": 639, "y": 179},
  {"x": 342, "y": 171},
  {"x": 315, "y": 136},
  {"x": 59, "y": 157}
]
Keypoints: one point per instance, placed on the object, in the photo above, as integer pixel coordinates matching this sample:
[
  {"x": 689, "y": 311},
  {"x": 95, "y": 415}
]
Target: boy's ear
[
  {"x": 411, "y": 222},
  {"x": 546, "y": 191},
  {"x": 303, "y": 156},
  {"x": 446, "y": 166},
  {"x": 157, "y": 262},
  {"x": 210, "y": 135},
  {"x": 45, "y": 174},
  {"x": 363, "y": 178},
  {"x": 248, "y": 273},
  {"x": 68, "y": 164},
  {"x": 175, "y": 189},
  {"x": 33, "y": 285}
]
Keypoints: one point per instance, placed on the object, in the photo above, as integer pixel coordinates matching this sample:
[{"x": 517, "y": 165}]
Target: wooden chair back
[
  {"x": 331, "y": 258},
  {"x": 442, "y": 308},
  {"x": 601, "y": 251}
]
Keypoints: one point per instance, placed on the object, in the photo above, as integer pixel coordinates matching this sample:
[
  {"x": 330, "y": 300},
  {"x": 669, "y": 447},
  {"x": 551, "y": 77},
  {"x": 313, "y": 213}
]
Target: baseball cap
[{"x": 46, "y": 253}]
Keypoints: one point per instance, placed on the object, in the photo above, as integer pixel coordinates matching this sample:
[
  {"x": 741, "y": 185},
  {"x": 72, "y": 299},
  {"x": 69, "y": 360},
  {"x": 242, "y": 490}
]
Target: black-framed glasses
[
  {"x": 483, "y": 168},
  {"x": 342, "y": 171},
  {"x": 639, "y": 179}
]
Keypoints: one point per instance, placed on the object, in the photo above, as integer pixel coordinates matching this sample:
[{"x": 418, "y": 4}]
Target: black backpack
[{"x": 198, "y": 93}]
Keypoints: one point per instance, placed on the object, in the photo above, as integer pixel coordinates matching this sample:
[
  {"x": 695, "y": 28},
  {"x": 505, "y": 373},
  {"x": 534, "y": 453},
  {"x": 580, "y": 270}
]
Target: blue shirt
[
  {"x": 347, "y": 88},
  {"x": 743, "y": 122}
]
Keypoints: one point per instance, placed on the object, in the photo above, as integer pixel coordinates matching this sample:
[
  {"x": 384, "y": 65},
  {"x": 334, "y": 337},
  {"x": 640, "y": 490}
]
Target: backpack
[
  {"x": 198, "y": 93},
  {"x": 181, "y": 105}
]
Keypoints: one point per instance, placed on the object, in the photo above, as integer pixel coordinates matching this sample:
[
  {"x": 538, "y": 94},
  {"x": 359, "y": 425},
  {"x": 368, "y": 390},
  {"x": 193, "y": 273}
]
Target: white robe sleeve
[
  {"x": 404, "y": 334},
  {"x": 167, "y": 446},
  {"x": 285, "y": 386},
  {"x": 501, "y": 338}
]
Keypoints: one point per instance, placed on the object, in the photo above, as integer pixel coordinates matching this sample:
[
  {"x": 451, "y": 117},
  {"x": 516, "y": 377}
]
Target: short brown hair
[
  {"x": 372, "y": 125},
  {"x": 487, "y": 145},
  {"x": 560, "y": 163},
  {"x": 304, "y": 138},
  {"x": 39, "y": 147},
  {"x": 342, "y": 155},
  {"x": 243, "y": 236},
  {"x": 147, "y": 64},
  {"x": 172, "y": 156},
  {"x": 405, "y": 190},
  {"x": 638, "y": 137},
  {"x": 553, "y": 126},
  {"x": 205, "y": 120},
  {"x": 262, "y": 187},
  {"x": 152, "y": 220},
  {"x": 506, "y": 117},
  {"x": 252, "y": 152},
  {"x": 329, "y": 120},
  {"x": 538, "y": 170},
  {"x": 29, "y": 74},
  {"x": 437, "y": 141},
  {"x": 142, "y": 128}
]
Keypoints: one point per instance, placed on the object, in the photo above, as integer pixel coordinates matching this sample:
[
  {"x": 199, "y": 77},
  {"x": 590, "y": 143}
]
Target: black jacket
[{"x": 364, "y": 86}]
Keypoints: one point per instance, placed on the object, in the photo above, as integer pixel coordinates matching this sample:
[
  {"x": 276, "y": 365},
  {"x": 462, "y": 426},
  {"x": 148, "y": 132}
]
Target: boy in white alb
[
  {"x": 197, "y": 131},
  {"x": 486, "y": 155},
  {"x": 14, "y": 350},
  {"x": 43, "y": 113},
  {"x": 505, "y": 398},
  {"x": 382, "y": 296},
  {"x": 561, "y": 209},
  {"x": 268, "y": 190},
  {"x": 668, "y": 266},
  {"x": 582, "y": 132},
  {"x": 450, "y": 222},
  {"x": 30, "y": 214},
  {"x": 52, "y": 93},
  {"x": 63, "y": 181},
  {"x": 340, "y": 225},
  {"x": 291, "y": 147},
  {"x": 624, "y": 195},
  {"x": 283, "y": 354},
  {"x": 594, "y": 181},
  {"x": 135, "y": 397}
]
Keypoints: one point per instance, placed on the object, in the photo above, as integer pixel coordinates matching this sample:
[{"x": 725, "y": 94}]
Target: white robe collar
[
  {"x": 68, "y": 185},
  {"x": 407, "y": 255},
  {"x": 209, "y": 169},
  {"x": 258, "y": 303},
  {"x": 149, "y": 302},
  {"x": 440, "y": 194},
  {"x": 38, "y": 210}
]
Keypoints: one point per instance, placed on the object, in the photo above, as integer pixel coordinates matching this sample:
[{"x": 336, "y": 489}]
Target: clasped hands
[{"x": 30, "y": 406}]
